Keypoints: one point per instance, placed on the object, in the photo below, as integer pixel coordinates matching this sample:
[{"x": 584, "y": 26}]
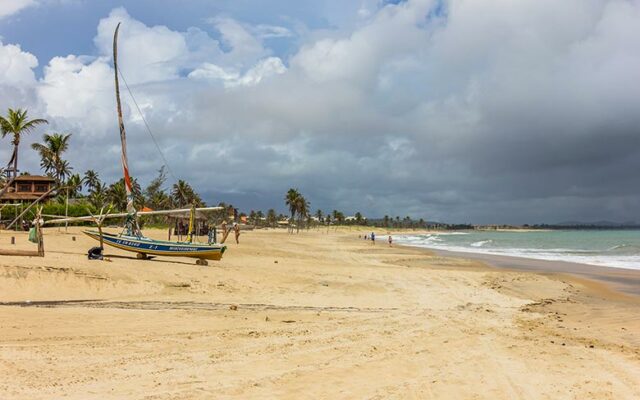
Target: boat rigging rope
[{"x": 155, "y": 142}]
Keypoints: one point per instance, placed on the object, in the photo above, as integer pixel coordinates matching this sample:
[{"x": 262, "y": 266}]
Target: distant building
[{"x": 27, "y": 188}]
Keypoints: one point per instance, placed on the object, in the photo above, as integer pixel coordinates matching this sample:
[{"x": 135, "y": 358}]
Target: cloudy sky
[{"x": 493, "y": 111}]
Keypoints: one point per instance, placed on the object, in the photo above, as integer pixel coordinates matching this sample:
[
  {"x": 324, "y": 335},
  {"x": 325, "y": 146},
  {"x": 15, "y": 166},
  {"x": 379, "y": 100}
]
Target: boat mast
[{"x": 131, "y": 211}]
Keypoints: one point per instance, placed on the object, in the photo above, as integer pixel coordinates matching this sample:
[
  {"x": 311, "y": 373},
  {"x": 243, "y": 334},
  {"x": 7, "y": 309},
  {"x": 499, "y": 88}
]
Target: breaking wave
[
  {"x": 481, "y": 243},
  {"x": 619, "y": 249}
]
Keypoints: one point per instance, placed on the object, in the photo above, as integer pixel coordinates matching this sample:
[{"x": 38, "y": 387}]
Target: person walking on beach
[
  {"x": 236, "y": 231},
  {"x": 390, "y": 240},
  {"x": 373, "y": 237}
]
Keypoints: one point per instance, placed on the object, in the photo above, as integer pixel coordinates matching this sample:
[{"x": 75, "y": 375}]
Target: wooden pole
[
  {"x": 99, "y": 220},
  {"x": 7, "y": 186},
  {"x": 30, "y": 205},
  {"x": 66, "y": 211},
  {"x": 101, "y": 239},
  {"x": 39, "y": 234}
]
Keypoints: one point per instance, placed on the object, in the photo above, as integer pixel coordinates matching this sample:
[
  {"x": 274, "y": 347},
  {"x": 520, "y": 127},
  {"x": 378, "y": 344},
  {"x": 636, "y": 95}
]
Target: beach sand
[{"x": 314, "y": 315}]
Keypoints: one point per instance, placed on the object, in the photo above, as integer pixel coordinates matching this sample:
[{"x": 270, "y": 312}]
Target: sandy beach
[{"x": 314, "y": 315}]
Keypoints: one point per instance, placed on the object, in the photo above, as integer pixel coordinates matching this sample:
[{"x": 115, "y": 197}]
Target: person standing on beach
[
  {"x": 373, "y": 237},
  {"x": 390, "y": 240},
  {"x": 236, "y": 231}
]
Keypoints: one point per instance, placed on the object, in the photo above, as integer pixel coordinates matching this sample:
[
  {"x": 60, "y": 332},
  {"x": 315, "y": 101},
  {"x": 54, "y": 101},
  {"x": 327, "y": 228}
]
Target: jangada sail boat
[{"x": 131, "y": 239}]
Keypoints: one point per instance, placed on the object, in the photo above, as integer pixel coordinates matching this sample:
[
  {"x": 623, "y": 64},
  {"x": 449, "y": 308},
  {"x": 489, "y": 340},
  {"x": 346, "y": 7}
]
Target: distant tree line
[
  {"x": 586, "y": 226},
  {"x": 87, "y": 191}
]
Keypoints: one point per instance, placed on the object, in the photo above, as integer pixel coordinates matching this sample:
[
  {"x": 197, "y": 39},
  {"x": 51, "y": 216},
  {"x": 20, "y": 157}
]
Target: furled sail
[{"x": 123, "y": 136}]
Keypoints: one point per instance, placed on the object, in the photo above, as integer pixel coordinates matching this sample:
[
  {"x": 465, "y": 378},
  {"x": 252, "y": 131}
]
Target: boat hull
[{"x": 148, "y": 246}]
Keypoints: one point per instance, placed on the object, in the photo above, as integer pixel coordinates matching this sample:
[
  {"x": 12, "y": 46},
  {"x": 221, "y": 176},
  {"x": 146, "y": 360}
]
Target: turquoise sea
[{"x": 610, "y": 248}]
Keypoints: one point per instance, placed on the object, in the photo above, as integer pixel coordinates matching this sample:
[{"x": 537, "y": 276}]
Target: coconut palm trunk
[
  {"x": 16, "y": 124},
  {"x": 66, "y": 211}
]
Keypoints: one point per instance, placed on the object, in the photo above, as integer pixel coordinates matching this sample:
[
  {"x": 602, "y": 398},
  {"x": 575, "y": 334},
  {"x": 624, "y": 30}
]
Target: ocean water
[{"x": 618, "y": 249}]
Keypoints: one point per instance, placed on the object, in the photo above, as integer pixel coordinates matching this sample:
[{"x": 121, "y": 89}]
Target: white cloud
[
  {"x": 359, "y": 57},
  {"x": 271, "y": 31},
  {"x": 263, "y": 69},
  {"x": 244, "y": 46},
  {"x": 146, "y": 53},
  {"x": 214, "y": 72},
  {"x": 73, "y": 87},
  {"x": 10, "y": 7},
  {"x": 16, "y": 66}
]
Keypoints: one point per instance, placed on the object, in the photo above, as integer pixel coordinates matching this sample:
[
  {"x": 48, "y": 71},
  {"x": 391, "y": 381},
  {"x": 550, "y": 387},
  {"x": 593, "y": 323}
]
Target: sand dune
[{"x": 313, "y": 315}]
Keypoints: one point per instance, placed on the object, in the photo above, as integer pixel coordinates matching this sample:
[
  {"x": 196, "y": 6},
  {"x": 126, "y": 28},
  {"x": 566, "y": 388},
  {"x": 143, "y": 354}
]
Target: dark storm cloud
[{"x": 482, "y": 113}]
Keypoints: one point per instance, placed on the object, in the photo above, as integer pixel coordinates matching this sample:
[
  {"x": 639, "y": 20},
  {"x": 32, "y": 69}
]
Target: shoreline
[{"x": 623, "y": 280}]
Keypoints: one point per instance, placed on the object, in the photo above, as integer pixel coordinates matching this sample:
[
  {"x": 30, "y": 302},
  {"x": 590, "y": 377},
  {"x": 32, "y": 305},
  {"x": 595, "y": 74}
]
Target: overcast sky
[{"x": 493, "y": 111}]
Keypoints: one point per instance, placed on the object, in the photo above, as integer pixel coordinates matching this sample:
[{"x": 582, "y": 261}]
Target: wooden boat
[
  {"x": 146, "y": 247},
  {"x": 132, "y": 239}
]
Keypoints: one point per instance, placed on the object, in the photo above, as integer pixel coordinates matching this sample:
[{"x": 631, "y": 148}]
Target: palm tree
[
  {"x": 63, "y": 170},
  {"x": 74, "y": 185},
  {"x": 182, "y": 194},
  {"x": 91, "y": 179},
  {"x": 17, "y": 124},
  {"x": 72, "y": 188},
  {"x": 319, "y": 215},
  {"x": 3, "y": 176},
  {"x": 53, "y": 164},
  {"x": 291, "y": 200},
  {"x": 358, "y": 218},
  {"x": 271, "y": 217},
  {"x": 155, "y": 196},
  {"x": 302, "y": 208},
  {"x": 136, "y": 191},
  {"x": 116, "y": 194},
  {"x": 51, "y": 155},
  {"x": 158, "y": 201},
  {"x": 98, "y": 195}
]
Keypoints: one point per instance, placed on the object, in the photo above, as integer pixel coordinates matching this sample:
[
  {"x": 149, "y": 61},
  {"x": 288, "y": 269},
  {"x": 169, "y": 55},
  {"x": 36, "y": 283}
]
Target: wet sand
[
  {"x": 620, "y": 279},
  {"x": 315, "y": 315}
]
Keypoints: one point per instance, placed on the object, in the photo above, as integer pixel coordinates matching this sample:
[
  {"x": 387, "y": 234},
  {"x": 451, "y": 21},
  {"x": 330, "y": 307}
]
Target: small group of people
[
  {"x": 182, "y": 229},
  {"x": 225, "y": 231},
  {"x": 372, "y": 236}
]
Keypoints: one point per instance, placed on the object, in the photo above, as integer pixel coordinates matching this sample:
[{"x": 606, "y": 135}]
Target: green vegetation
[
  {"x": 51, "y": 151},
  {"x": 299, "y": 206},
  {"x": 87, "y": 193},
  {"x": 17, "y": 124}
]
